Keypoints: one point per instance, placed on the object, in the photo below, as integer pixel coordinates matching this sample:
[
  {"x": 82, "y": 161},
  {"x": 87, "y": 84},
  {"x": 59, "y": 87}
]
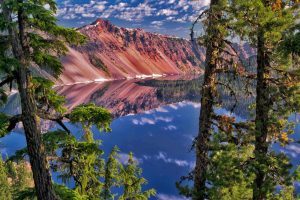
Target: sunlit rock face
[
  {"x": 113, "y": 53},
  {"x": 116, "y": 53}
]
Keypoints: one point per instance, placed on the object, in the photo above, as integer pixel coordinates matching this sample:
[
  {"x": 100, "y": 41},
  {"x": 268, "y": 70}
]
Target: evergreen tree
[
  {"x": 234, "y": 160},
  {"x": 213, "y": 42},
  {"x": 32, "y": 40},
  {"x": 112, "y": 177},
  {"x": 265, "y": 25},
  {"x": 83, "y": 160},
  {"x": 132, "y": 182}
]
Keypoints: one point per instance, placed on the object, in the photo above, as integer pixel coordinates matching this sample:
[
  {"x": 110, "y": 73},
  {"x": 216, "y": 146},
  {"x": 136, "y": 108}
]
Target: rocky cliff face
[
  {"x": 120, "y": 53},
  {"x": 117, "y": 53}
]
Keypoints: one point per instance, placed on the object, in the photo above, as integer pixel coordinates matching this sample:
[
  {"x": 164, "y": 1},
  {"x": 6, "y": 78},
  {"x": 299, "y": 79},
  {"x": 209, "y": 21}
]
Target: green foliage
[
  {"x": 15, "y": 181},
  {"x": 4, "y": 123},
  {"x": 81, "y": 161},
  {"x": 65, "y": 193},
  {"x": 46, "y": 97},
  {"x": 229, "y": 173},
  {"x": 296, "y": 174},
  {"x": 56, "y": 140},
  {"x": 78, "y": 160},
  {"x": 89, "y": 115},
  {"x": 19, "y": 155},
  {"x": 5, "y": 190},
  {"x": 97, "y": 62},
  {"x": 28, "y": 193},
  {"x": 94, "y": 177},
  {"x": 20, "y": 174},
  {"x": 112, "y": 177},
  {"x": 132, "y": 181},
  {"x": 42, "y": 43},
  {"x": 46, "y": 39},
  {"x": 235, "y": 155}
]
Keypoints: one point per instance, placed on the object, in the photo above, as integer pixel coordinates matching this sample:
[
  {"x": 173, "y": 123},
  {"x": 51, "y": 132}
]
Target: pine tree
[
  {"x": 214, "y": 42},
  {"x": 264, "y": 25},
  {"x": 80, "y": 160},
  {"x": 112, "y": 177},
  {"x": 239, "y": 152},
  {"x": 132, "y": 182},
  {"x": 32, "y": 40}
]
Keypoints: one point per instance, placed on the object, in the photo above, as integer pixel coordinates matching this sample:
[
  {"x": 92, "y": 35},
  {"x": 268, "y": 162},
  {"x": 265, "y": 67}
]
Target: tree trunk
[
  {"x": 39, "y": 165},
  {"x": 207, "y": 102},
  {"x": 36, "y": 152},
  {"x": 262, "y": 115},
  {"x": 263, "y": 106}
]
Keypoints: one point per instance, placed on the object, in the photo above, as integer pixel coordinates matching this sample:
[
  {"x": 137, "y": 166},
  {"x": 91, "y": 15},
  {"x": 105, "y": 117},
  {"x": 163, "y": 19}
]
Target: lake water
[{"x": 155, "y": 119}]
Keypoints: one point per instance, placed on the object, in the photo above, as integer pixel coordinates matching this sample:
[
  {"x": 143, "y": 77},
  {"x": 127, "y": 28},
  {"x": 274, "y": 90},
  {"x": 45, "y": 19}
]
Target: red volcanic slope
[{"x": 117, "y": 53}]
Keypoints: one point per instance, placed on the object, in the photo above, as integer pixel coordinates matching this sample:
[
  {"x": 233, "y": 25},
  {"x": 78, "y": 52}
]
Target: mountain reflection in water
[
  {"x": 155, "y": 119},
  {"x": 134, "y": 96}
]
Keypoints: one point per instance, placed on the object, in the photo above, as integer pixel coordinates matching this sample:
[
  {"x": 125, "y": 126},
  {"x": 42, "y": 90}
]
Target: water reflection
[
  {"x": 120, "y": 97},
  {"x": 134, "y": 96},
  {"x": 156, "y": 119}
]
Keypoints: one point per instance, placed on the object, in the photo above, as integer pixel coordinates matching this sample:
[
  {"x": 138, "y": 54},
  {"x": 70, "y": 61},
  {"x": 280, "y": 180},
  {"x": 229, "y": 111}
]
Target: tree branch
[
  {"x": 8, "y": 80},
  {"x": 13, "y": 121},
  {"x": 232, "y": 93},
  {"x": 57, "y": 119},
  {"x": 195, "y": 22}
]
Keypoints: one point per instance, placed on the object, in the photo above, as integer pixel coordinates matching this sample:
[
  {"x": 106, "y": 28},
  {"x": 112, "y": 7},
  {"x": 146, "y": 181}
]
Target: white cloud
[
  {"x": 292, "y": 150},
  {"x": 164, "y": 119},
  {"x": 171, "y": 1},
  {"x": 173, "y": 106},
  {"x": 170, "y": 197},
  {"x": 167, "y": 12},
  {"x": 170, "y": 128},
  {"x": 157, "y": 23},
  {"x": 87, "y": 10},
  {"x": 88, "y": 15},
  {"x": 161, "y": 109},
  {"x": 178, "y": 11},
  {"x": 188, "y": 103},
  {"x": 180, "y": 163},
  {"x": 125, "y": 12},
  {"x": 145, "y": 120}
]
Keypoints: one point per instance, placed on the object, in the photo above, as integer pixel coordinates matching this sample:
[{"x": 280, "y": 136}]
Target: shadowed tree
[
  {"x": 227, "y": 151},
  {"x": 30, "y": 39},
  {"x": 267, "y": 25},
  {"x": 213, "y": 41}
]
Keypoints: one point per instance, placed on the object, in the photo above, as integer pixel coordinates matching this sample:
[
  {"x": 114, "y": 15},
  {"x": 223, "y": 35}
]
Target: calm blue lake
[{"x": 157, "y": 120}]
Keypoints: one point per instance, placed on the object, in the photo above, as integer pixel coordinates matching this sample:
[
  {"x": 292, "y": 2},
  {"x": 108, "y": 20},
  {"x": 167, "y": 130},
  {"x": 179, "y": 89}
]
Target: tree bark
[
  {"x": 262, "y": 115},
  {"x": 263, "y": 106},
  {"x": 41, "y": 174},
  {"x": 207, "y": 102}
]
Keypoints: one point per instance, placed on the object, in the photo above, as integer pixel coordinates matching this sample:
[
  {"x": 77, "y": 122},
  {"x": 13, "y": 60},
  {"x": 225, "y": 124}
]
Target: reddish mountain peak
[
  {"x": 106, "y": 26},
  {"x": 114, "y": 52},
  {"x": 102, "y": 22}
]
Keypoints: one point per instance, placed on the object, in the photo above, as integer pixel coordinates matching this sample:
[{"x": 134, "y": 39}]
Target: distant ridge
[{"x": 121, "y": 53}]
